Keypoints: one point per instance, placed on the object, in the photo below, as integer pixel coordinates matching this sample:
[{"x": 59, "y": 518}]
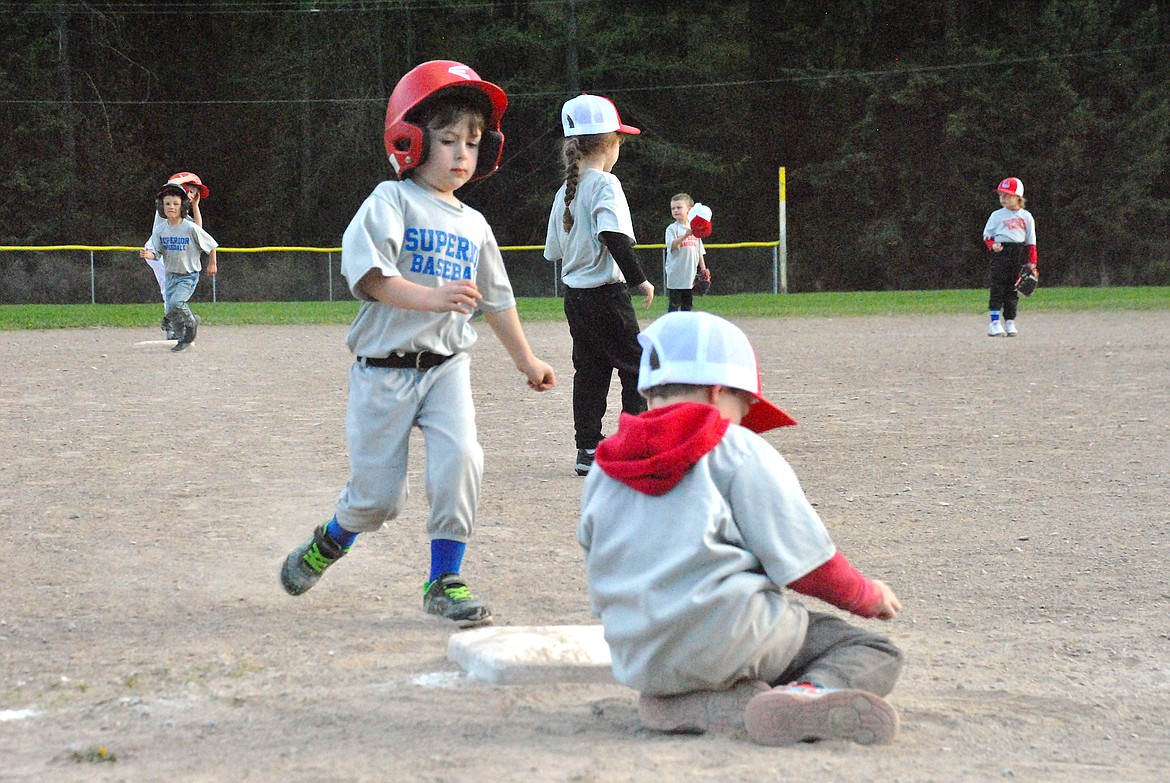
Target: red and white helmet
[
  {"x": 187, "y": 178},
  {"x": 1011, "y": 186},
  {"x": 406, "y": 141}
]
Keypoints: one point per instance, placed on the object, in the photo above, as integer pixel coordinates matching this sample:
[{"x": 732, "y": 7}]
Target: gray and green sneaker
[
  {"x": 449, "y": 597},
  {"x": 305, "y": 564}
]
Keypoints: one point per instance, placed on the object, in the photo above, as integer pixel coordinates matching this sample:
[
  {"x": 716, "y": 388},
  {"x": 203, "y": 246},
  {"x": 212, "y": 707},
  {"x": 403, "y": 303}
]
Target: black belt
[{"x": 401, "y": 360}]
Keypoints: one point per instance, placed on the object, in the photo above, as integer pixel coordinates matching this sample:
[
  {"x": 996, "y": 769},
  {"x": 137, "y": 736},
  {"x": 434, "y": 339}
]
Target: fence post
[
  {"x": 92, "y": 281},
  {"x": 782, "y": 245},
  {"x": 330, "y": 257}
]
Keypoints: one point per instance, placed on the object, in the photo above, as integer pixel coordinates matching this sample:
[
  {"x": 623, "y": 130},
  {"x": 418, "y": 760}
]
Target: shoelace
[
  {"x": 315, "y": 560},
  {"x": 458, "y": 592}
]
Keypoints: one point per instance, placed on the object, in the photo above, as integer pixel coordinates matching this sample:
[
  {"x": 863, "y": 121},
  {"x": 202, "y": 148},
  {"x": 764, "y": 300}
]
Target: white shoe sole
[{"x": 782, "y": 717}]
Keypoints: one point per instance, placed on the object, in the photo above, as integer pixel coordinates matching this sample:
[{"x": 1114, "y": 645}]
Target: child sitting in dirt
[{"x": 692, "y": 527}]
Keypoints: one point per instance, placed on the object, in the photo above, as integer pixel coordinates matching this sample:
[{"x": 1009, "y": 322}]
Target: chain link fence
[{"x": 83, "y": 274}]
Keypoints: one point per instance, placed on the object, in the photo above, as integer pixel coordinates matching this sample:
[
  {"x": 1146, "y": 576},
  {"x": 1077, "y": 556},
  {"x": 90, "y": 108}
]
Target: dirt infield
[{"x": 1014, "y": 493}]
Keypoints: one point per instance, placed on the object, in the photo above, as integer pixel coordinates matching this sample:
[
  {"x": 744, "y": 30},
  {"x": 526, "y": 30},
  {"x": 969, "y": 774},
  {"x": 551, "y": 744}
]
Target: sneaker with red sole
[
  {"x": 700, "y": 711},
  {"x": 807, "y": 713}
]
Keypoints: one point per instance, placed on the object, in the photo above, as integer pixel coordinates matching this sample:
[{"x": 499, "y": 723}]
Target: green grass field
[{"x": 544, "y": 309}]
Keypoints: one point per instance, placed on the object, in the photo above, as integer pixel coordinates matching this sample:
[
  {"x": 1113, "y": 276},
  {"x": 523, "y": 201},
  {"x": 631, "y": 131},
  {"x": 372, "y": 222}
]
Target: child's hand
[
  {"x": 212, "y": 268},
  {"x": 460, "y": 296},
  {"x": 146, "y": 254},
  {"x": 889, "y": 606},
  {"x": 541, "y": 376},
  {"x": 996, "y": 247},
  {"x": 647, "y": 289}
]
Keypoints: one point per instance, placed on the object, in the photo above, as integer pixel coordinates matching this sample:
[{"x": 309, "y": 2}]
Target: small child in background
[
  {"x": 591, "y": 232},
  {"x": 1010, "y": 235},
  {"x": 180, "y": 244},
  {"x": 685, "y": 256},
  {"x": 422, "y": 262},
  {"x": 693, "y": 527},
  {"x": 196, "y": 193}
]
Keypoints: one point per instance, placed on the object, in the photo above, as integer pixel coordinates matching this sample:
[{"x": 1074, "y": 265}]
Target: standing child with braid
[{"x": 591, "y": 232}]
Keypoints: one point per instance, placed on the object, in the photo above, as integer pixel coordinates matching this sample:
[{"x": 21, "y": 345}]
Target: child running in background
[
  {"x": 591, "y": 233},
  {"x": 422, "y": 262},
  {"x": 180, "y": 244},
  {"x": 1010, "y": 235},
  {"x": 695, "y": 531},
  {"x": 685, "y": 256},
  {"x": 196, "y": 193}
]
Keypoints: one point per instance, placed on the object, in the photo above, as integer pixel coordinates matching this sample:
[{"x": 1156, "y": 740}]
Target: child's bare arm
[
  {"x": 460, "y": 296},
  {"x": 196, "y": 215},
  {"x": 212, "y": 268},
  {"x": 506, "y": 325}
]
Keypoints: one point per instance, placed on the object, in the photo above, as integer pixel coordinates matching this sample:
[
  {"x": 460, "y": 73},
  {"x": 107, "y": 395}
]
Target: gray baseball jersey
[
  {"x": 1011, "y": 225},
  {"x": 683, "y": 261},
  {"x": 180, "y": 246},
  {"x": 600, "y": 205},
  {"x": 689, "y": 584},
  {"x": 401, "y": 230}
]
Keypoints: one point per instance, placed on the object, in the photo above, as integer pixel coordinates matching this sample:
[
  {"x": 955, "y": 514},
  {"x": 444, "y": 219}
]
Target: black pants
[
  {"x": 605, "y": 330},
  {"x": 1003, "y": 273},
  {"x": 679, "y": 299}
]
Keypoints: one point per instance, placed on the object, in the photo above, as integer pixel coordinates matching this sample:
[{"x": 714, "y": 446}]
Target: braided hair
[{"x": 573, "y": 150}]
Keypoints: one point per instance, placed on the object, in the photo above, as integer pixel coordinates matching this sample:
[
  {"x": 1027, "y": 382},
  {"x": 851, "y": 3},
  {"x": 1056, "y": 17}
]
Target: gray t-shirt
[
  {"x": 1011, "y": 225},
  {"x": 683, "y": 261},
  {"x": 180, "y": 246},
  {"x": 689, "y": 584},
  {"x": 600, "y": 205},
  {"x": 402, "y": 230}
]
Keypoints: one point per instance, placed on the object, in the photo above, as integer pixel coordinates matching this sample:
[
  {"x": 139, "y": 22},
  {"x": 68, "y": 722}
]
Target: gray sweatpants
[
  {"x": 384, "y": 406},
  {"x": 837, "y": 654}
]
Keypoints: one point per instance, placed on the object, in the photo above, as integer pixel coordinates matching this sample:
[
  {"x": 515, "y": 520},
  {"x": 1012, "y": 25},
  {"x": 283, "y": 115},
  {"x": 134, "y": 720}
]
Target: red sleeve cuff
[
  {"x": 989, "y": 243},
  {"x": 838, "y": 583},
  {"x": 1032, "y": 256}
]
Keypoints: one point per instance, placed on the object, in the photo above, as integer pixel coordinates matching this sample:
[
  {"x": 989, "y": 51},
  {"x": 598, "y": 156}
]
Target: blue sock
[
  {"x": 446, "y": 557},
  {"x": 340, "y": 534},
  {"x": 994, "y": 316}
]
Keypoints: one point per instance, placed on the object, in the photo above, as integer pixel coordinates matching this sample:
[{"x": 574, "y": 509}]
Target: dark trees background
[{"x": 895, "y": 120}]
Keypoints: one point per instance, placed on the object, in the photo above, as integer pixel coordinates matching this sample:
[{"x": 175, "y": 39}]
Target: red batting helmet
[
  {"x": 1011, "y": 186},
  {"x": 406, "y": 140},
  {"x": 187, "y": 178}
]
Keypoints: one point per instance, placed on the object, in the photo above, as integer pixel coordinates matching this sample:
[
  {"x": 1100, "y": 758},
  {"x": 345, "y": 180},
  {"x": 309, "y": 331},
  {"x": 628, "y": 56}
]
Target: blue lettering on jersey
[
  {"x": 441, "y": 254},
  {"x": 175, "y": 244}
]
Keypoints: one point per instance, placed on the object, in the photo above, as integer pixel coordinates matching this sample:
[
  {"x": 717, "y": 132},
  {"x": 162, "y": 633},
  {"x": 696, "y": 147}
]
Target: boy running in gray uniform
[
  {"x": 180, "y": 244},
  {"x": 421, "y": 261},
  {"x": 693, "y": 526}
]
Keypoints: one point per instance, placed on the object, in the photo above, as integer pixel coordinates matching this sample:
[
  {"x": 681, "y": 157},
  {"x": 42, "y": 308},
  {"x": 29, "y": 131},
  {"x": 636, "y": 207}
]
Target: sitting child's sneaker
[
  {"x": 807, "y": 713},
  {"x": 701, "y": 711},
  {"x": 303, "y": 567},
  {"x": 449, "y": 597}
]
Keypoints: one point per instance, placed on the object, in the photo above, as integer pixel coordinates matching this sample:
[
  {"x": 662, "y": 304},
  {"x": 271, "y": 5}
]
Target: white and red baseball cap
[
  {"x": 588, "y": 114},
  {"x": 1012, "y": 186},
  {"x": 699, "y": 219},
  {"x": 187, "y": 178},
  {"x": 697, "y": 348}
]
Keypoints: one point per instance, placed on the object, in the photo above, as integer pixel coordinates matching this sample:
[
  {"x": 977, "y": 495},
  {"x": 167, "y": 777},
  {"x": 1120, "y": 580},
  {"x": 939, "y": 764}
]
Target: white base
[{"x": 514, "y": 655}]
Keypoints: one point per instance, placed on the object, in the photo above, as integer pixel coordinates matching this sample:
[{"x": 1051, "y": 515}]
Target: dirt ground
[{"x": 1014, "y": 493}]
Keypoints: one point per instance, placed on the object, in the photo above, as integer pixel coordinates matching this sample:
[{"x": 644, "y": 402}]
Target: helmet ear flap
[
  {"x": 406, "y": 145},
  {"x": 491, "y": 149}
]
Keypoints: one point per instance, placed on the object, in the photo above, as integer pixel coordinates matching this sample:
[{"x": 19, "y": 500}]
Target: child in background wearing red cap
[
  {"x": 1010, "y": 235},
  {"x": 591, "y": 233},
  {"x": 693, "y": 526},
  {"x": 196, "y": 192},
  {"x": 685, "y": 256}
]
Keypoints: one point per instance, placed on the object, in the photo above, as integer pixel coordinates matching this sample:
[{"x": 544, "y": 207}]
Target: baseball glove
[
  {"x": 703, "y": 282},
  {"x": 1028, "y": 280}
]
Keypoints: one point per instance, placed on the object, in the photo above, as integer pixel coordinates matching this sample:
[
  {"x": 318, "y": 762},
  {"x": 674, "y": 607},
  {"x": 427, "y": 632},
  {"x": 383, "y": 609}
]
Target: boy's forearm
[{"x": 506, "y": 325}]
